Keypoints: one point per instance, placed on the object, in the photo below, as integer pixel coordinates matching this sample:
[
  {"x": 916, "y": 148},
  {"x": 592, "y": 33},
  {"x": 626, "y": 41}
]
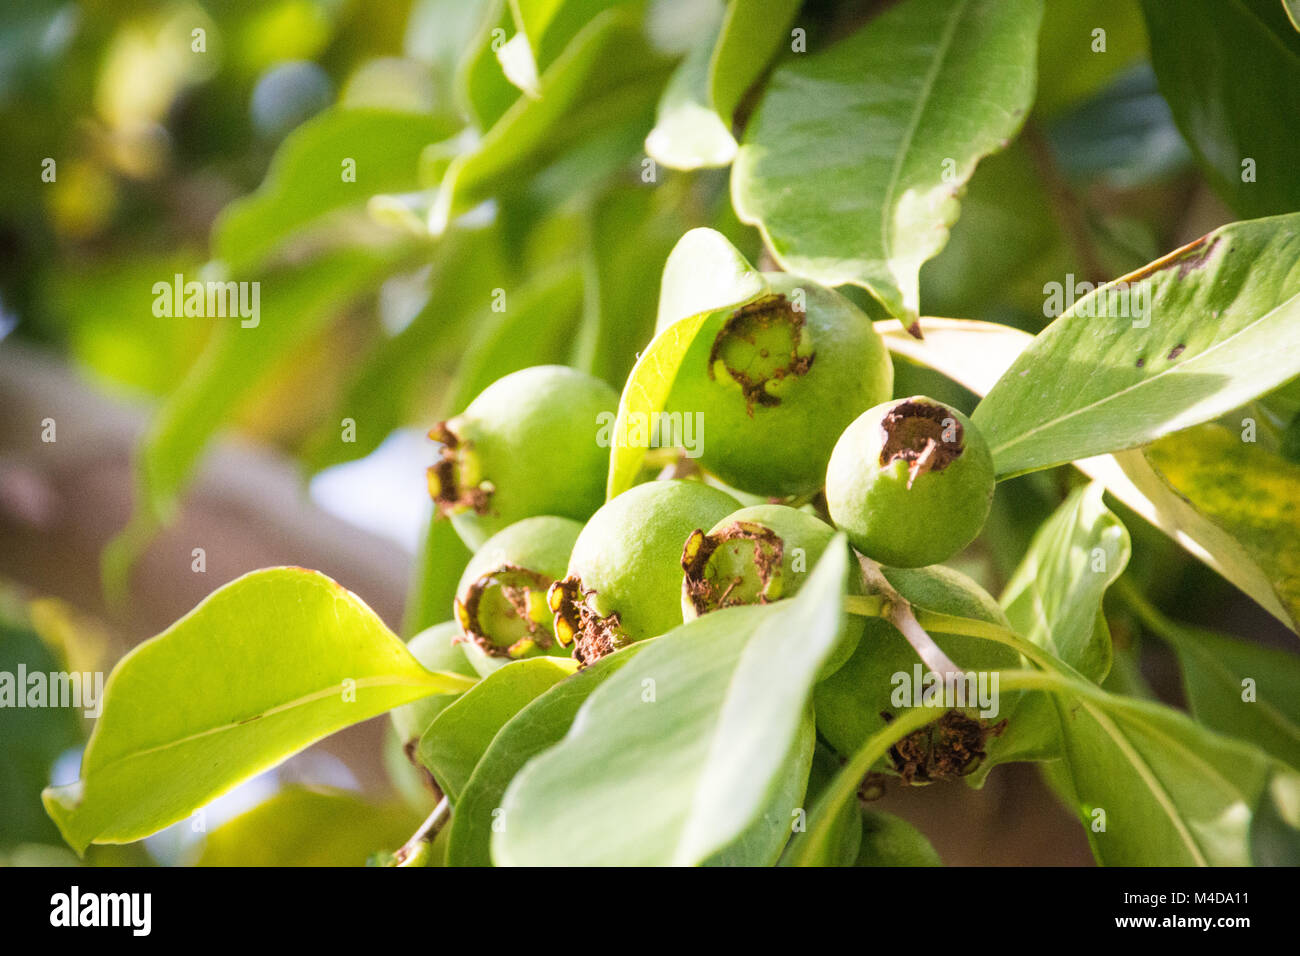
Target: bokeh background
[{"x": 157, "y": 148}]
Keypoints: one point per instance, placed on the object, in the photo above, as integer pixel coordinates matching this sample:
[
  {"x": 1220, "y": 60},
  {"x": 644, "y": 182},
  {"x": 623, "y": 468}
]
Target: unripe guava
[
  {"x": 757, "y": 555},
  {"x": 438, "y": 649},
  {"x": 911, "y": 482},
  {"x": 625, "y": 575},
  {"x": 501, "y": 598},
  {"x": 525, "y": 446},
  {"x": 775, "y": 384}
]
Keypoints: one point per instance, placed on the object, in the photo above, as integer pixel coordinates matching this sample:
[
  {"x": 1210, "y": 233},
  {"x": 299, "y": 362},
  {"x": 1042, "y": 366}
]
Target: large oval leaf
[
  {"x": 854, "y": 159},
  {"x": 460, "y": 735},
  {"x": 1183, "y": 340},
  {"x": 679, "y": 753},
  {"x": 264, "y": 666},
  {"x": 704, "y": 274}
]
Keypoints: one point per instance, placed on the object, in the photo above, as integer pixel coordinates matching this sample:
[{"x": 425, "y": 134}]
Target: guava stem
[
  {"x": 870, "y": 605},
  {"x": 898, "y": 611},
  {"x": 414, "y": 852}
]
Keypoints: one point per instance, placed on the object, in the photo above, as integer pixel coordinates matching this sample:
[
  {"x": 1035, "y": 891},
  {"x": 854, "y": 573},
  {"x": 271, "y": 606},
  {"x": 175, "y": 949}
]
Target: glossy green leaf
[
  {"x": 753, "y": 32},
  {"x": 604, "y": 75},
  {"x": 459, "y": 736},
  {"x": 1236, "y": 120},
  {"x": 1292, "y": 8},
  {"x": 703, "y": 275},
  {"x": 932, "y": 86},
  {"x": 1244, "y": 490},
  {"x": 306, "y": 178},
  {"x": 541, "y": 724},
  {"x": 1151, "y": 787},
  {"x": 294, "y": 305},
  {"x": 261, "y": 668},
  {"x": 688, "y": 132},
  {"x": 1241, "y": 689},
  {"x": 1187, "y": 338},
  {"x": 675, "y": 757},
  {"x": 309, "y": 827},
  {"x": 1054, "y": 598}
]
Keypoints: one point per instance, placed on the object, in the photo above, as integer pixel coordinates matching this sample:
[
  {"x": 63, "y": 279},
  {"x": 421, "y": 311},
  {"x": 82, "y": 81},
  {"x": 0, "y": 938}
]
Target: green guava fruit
[
  {"x": 526, "y": 446},
  {"x": 500, "y": 601},
  {"x": 757, "y": 555},
  {"x": 911, "y": 482},
  {"x": 625, "y": 575},
  {"x": 775, "y": 381}
]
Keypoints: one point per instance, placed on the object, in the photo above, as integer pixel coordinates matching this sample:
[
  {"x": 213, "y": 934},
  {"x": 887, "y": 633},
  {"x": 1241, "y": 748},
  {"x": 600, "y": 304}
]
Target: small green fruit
[
  {"x": 911, "y": 482},
  {"x": 758, "y": 555},
  {"x": 625, "y": 575},
  {"x": 775, "y": 384},
  {"x": 438, "y": 648},
  {"x": 501, "y": 599},
  {"x": 525, "y": 446}
]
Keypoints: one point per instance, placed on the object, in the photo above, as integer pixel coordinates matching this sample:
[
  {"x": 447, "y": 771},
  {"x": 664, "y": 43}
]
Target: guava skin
[
  {"x": 625, "y": 575},
  {"x": 911, "y": 482},
  {"x": 500, "y": 602},
  {"x": 438, "y": 649},
  {"x": 525, "y": 446},
  {"x": 775, "y": 386},
  {"x": 758, "y": 555}
]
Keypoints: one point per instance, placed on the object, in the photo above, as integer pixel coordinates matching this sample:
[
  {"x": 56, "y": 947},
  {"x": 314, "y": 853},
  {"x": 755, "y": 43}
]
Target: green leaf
[
  {"x": 306, "y": 180},
  {"x": 1247, "y": 492},
  {"x": 1167, "y": 791},
  {"x": 1070, "y": 68},
  {"x": 541, "y": 724},
  {"x": 677, "y": 755},
  {"x": 1131, "y": 362},
  {"x": 309, "y": 827},
  {"x": 297, "y": 304},
  {"x": 1275, "y": 826},
  {"x": 1216, "y": 669},
  {"x": 1054, "y": 601},
  {"x": 1054, "y": 598},
  {"x": 933, "y": 86},
  {"x": 460, "y": 735},
  {"x": 752, "y": 33},
  {"x": 688, "y": 132},
  {"x": 704, "y": 274},
  {"x": 1227, "y": 114},
  {"x": 261, "y": 668},
  {"x": 605, "y": 75},
  {"x": 1292, "y": 8}
]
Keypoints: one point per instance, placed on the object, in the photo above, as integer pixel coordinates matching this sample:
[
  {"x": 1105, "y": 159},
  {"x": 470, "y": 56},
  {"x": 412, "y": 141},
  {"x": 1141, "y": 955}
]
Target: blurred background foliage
[{"x": 209, "y": 139}]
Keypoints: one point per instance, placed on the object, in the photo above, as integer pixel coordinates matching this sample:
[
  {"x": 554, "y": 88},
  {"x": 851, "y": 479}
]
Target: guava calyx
[
  {"x": 452, "y": 493},
  {"x": 952, "y": 746},
  {"x": 750, "y": 575},
  {"x": 515, "y": 622},
  {"x": 593, "y": 635},
  {"x": 763, "y": 342},
  {"x": 927, "y": 436}
]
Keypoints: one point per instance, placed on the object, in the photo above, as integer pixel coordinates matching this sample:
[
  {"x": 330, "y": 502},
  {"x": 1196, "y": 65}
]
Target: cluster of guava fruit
[{"x": 794, "y": 390}]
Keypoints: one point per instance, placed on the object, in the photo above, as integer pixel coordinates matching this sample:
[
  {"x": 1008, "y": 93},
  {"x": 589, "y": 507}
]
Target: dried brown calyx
[
  {"x": 454, "y": 480},
  {"x": 952, "y": 746},
  {"x": 592, "y": 634},
  {"x": 738, "y": 564},
  {"x": 762, "y": 343},
  {"x": 927, "y": 436},
  {"x": 505, "y": 612}
]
